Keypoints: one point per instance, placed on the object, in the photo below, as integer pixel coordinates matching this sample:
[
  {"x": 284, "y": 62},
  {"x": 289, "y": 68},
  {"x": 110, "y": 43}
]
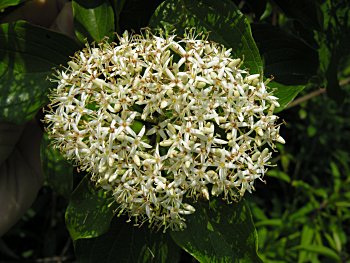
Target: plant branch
[
  {"x": 306, "y": 97},
  {"x": 314, "y": 94}
]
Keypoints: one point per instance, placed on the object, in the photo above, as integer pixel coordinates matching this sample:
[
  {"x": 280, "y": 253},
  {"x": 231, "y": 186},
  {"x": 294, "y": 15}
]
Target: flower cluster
[{"x": 160, "y": 121}]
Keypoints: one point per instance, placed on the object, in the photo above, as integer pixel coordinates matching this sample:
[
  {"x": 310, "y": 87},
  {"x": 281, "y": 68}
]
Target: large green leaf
[
  {"x": 27, "y": 55},
  {"x": 125, "y": 243},
  {"x": 57, "y": 170},
  {"x": 226, "y": 24},
  {"x": 89, "y": 212},
  {"x": 93, "y": 19},
  {"x": 7, "y": 3},
  {"x": 285, "y": 56},
  {"x": 308, "y": 12},
  {"x": 220, "y": 232}
]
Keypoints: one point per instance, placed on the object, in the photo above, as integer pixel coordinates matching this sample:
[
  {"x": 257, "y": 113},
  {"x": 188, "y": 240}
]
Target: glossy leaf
[
  {"x": 286, "y": 57},
  {"x": 89, "y": 212},
  {"x": 93, "y": 19},
  {"x": 28, "y": 54},
  {"x": 220, "y": 232},
  {"x": 284, "y": 93},
  {"x": 226, "y": 24},
  {"x": 7, "y": 3},
  {"x": 126, "y": 243},
  {"x": 57, "y": 170}
]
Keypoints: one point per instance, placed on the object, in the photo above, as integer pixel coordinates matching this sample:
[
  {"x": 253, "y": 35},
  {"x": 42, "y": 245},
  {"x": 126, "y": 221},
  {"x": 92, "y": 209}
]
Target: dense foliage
[{"x": 302, "y": 212}]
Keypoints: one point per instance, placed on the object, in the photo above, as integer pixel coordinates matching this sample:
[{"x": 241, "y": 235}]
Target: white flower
[{"x": 155, "y": 120}]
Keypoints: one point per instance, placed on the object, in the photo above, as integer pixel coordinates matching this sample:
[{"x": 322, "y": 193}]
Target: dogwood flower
[{"x": 160, "y": 121}]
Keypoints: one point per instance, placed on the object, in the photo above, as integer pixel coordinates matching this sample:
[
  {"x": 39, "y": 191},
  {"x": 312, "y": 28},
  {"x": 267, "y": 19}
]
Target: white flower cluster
[{"x": 160, "y": 122}]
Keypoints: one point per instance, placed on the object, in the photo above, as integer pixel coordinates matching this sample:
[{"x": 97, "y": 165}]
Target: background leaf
[
  {"x": 322, "y": 250},
  {"x": 7, "y": 3},
  {"x": 57, "y": 170},
  {"x": 27, "y": 55},
  {"x": 136, "y": 14},
  {"x": 226, "y": 24},
  {"x": 89, "y": 212},
  {"x": 93, "y": 19},
  {"x": 220, "y": 232},
  {"x": 126, "y": 243}
]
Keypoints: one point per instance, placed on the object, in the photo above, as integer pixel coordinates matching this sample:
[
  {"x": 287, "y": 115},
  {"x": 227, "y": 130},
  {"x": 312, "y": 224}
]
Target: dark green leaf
[
  {"x": 126, "y": 243},
  {"x": 226, "y": 24},
  {"x": 307, "y": 12},
  {"x": 286, "y": 57},
  {"x": 57, "y": 170},
  {"x": 7, "y": 3},
  {"x": 89, "y": 212},
  {"x": 220, "y": 232},
  {"x": 117, "y": 9},
  {"x": 27, "y": 55},
  {"x": 284, "y": 93},
  {"x": 93, "y": 19},
  {"x": 136, "y": 14}
]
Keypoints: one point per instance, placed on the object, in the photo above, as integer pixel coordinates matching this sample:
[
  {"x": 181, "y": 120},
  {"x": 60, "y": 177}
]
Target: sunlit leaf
[
  {"x": 220, "y": 232},
  {"x": 126, "y": 243},
  {"x": 226, "y": 24},
  {"x": 89, "y": 211},
  {"x": 27, "y": 55},
  {"x": 93, "y": 19}
]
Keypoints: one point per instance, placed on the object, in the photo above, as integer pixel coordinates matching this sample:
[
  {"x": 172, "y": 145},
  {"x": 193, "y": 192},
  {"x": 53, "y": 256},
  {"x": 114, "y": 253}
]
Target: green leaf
[
  {"x": 89, "y": 212},
  {"x": 220, "y": 232},
  {"x": 279, "y": 175},
  {"x": 7, "y": 3},
  {"x": 126, "y": 243},
  {"x": 285, "y": 56},
  {"x": 269, "y": 222},
  {"x": 319, "y": 249},
  {"x": 117, "y": 9},
  {"x": 307, "y": 12},
  {"x": 57, "y": 170},
  {"x": 93, "y": 19},
  {"x": 307, "y": 235},
  {"x": 284, "y": 93},
  {"x": 226, "y": 24},
  {"x": 27, "y": 55}
]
